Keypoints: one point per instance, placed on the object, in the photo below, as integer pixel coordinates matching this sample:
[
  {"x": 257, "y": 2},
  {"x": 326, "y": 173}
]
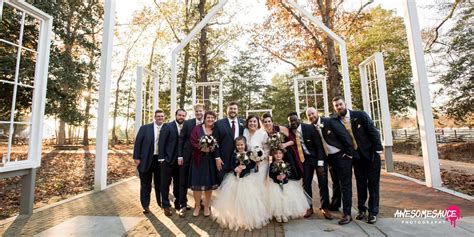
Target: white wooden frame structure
[
  {"x": 314, "y": 80},
  {"x": 210, "y": 84},
  {"x": 423, "y": 98},
  {"x": 27, "y": 168},
  {"x": 142, "y": 73},
  {"x": 258, "y": 111},
  {"x": 372, "y": 77},
  {"x": 318, "y": 23}
]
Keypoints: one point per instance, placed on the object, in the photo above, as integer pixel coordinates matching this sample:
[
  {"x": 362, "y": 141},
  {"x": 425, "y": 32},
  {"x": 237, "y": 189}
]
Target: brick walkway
[{"x": 123, "y": 200}]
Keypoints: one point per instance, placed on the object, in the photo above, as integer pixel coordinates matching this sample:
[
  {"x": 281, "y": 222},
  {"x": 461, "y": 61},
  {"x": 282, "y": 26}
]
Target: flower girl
[
  {"x": 288, "y": 199},
  {"x": 239, "y": 203}
]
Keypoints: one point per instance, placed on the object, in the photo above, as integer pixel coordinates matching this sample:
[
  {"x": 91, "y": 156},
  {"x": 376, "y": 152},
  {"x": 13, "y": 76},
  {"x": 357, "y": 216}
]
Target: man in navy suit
[
  {"x": 225, "y": 131},
  {"x": 145, "y": 155},
  {"x": 337, "y": 146},
  {"x": 311, "y": 154},
  {"x": 168, "y": 158},
  {"x": 366, "y": 141},
  {"x": 184, "y": 155}
]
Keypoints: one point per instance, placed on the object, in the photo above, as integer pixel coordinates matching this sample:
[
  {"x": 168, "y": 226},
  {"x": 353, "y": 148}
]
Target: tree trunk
[
  {"x": 184, "y": 75},
  {"x": 62, "y": 132},
  {"x": 116, "y": 105},
  {"x": 128, "y": 113},
  {"x": 203, "y": 54},
  {"x": 332, "y": 69}
]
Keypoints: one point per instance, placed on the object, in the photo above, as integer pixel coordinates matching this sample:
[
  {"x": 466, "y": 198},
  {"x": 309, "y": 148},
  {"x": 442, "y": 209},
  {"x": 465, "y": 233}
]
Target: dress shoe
[
  {"x": 167, "y": 211},
  {"x": 284, "y": 219},
  {"x": 309, "y": 212},
  {"x": 182, "y": 212},
  {"x": 146, "y": 210},
  {"x": 346, "y": 219},
  {"x": 372, "y": 219},
  {"x": 326, "y": 213},
  {"x": 360, "y": 216}
]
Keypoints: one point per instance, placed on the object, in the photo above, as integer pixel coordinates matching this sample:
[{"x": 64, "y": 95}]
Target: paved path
[
  {"x": 468, "y": 168},
  {"x": 116, "y": 212}
]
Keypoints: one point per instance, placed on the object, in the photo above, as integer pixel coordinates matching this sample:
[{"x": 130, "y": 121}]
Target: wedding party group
[{"x": 258, "y": 170}]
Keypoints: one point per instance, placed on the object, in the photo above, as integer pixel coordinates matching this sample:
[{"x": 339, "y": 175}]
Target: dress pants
[
  {"x": 367, "y": 175},
  {"x": 146, "y": 178},
  {"x": 342, "y": 166},
  {"x": 169, "y": 172},
  {"x": 309, "y": 166}
]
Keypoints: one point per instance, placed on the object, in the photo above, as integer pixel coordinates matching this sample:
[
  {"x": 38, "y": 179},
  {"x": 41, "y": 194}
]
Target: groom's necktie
[
  {"x": 299, "y": 146},
  {"x": 324, "y": 143},
  {"x": 233, "y": 129}
]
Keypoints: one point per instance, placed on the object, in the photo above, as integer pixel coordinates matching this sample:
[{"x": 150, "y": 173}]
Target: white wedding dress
[{"x": 243, "y": 203}]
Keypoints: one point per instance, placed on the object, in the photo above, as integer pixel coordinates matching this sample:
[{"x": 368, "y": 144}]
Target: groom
[{"x": 225, "y": 131}]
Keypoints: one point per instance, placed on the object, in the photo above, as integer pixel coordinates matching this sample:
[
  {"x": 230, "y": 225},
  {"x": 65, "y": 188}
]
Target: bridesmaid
[
  {"x": 203, "y": 169},
  {"x": 288, "y": 145}
]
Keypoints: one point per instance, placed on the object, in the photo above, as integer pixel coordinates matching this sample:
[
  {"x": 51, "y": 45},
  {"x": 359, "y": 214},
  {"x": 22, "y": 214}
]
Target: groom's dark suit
[
  {"x": 148, "y": 168},
  {"x": 223, "y": 134},
  {"x": 168, "y": 156}
]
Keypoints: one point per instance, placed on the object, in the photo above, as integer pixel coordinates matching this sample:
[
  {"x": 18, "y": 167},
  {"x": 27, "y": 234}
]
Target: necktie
[
  {"x": 349, "y": 129},
  {"x": 325, "y": 145},
  {"x": 299, "y": 146},
  {"x": 157, "y": 139},
  {"x": 233, "y": 128}
]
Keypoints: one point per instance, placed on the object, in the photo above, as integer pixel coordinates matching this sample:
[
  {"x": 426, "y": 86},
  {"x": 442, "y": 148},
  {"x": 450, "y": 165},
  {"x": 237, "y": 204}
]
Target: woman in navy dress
[
  {"x": 289, "y": 145},
  {"x": 203, "y": 169}
]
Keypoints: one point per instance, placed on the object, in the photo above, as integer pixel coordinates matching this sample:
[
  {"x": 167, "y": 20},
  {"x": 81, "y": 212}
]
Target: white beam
[
  {"x": 100, "y": 178},
  {"x": 423, "y": 103},
  {"x": 383, "y": 98},
  {"x": 297, "y": 96},
  {"x": 139, "y": 99}
]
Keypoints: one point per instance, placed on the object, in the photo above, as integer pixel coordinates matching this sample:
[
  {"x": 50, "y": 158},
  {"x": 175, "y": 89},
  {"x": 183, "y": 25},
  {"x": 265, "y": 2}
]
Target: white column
[
  {"x": 345, "y": 75},
  {"x": 297, "y": 96},
  {"x": 423, "y": 103},
  {"x": 100, "y": 178},
  {"x": 221, "y": 100},
  {"x": 156, "y": 93},
  {"x": 193, "y": 96},
  {"x": 364, "y": 89},
  {"x": 325, "y": 97},
  {"x": 139, "y": 98}
]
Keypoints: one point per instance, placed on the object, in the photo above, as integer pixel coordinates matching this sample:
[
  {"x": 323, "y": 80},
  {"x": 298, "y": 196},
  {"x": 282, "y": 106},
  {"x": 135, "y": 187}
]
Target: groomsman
[
  {"x": 184, "y": 155},
  {"x": 168, "y": 158},
  {"x": 145, "y": 155},
  {"x": 366, "y": 141},
  {"x": 311, "y": 154},
  {"x": 225, "y": 131},
  {"x": 337, "y": 146}
]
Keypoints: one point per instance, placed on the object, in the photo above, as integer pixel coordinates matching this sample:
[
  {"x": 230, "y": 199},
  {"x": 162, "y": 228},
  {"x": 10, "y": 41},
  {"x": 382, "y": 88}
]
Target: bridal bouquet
[
  {"x": 208, "y": 141},
  {"x": 275, "y": 140},
  {"x": 280, "y": 167},
  {"x": 257, "y": 154}
]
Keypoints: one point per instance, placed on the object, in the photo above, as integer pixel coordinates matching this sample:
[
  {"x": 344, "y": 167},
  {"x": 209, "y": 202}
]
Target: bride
[{"x": 242, "y": 202}]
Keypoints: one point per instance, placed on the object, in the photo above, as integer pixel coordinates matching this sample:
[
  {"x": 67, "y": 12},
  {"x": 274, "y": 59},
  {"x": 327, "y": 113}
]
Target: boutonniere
[
  {"x": 329, "y": 132},
  {"x": 241, "y": 124},
  {"x": 319, "y": 126},
  {"x": 358, "y": 125},
  {"x": 353, "y": 120}
]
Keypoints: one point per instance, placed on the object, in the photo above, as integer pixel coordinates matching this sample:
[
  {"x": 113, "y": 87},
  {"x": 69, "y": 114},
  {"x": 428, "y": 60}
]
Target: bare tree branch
[
  {"x": 277, "y": 55},
  {"x": 436, "y": 30},
  {"x": 305, "y": 27},
  {"x": 168, "y": 21}
]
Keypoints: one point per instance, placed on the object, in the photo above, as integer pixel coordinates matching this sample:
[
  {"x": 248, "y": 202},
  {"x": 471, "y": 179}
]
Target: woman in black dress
[
  {"x": 289, "y": 145},
  {"x": 203, "y": 169}
]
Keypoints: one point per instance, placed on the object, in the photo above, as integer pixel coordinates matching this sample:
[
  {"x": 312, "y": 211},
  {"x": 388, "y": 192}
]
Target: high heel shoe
[{"x": 208, "y": 213}]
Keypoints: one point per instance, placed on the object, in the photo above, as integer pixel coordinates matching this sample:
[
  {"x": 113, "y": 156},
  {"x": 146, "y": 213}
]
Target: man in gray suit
[{"x": 145, "y": 155}]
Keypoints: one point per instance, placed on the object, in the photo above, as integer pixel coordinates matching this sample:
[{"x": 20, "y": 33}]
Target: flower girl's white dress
[{"x": 242, "y": 202}]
